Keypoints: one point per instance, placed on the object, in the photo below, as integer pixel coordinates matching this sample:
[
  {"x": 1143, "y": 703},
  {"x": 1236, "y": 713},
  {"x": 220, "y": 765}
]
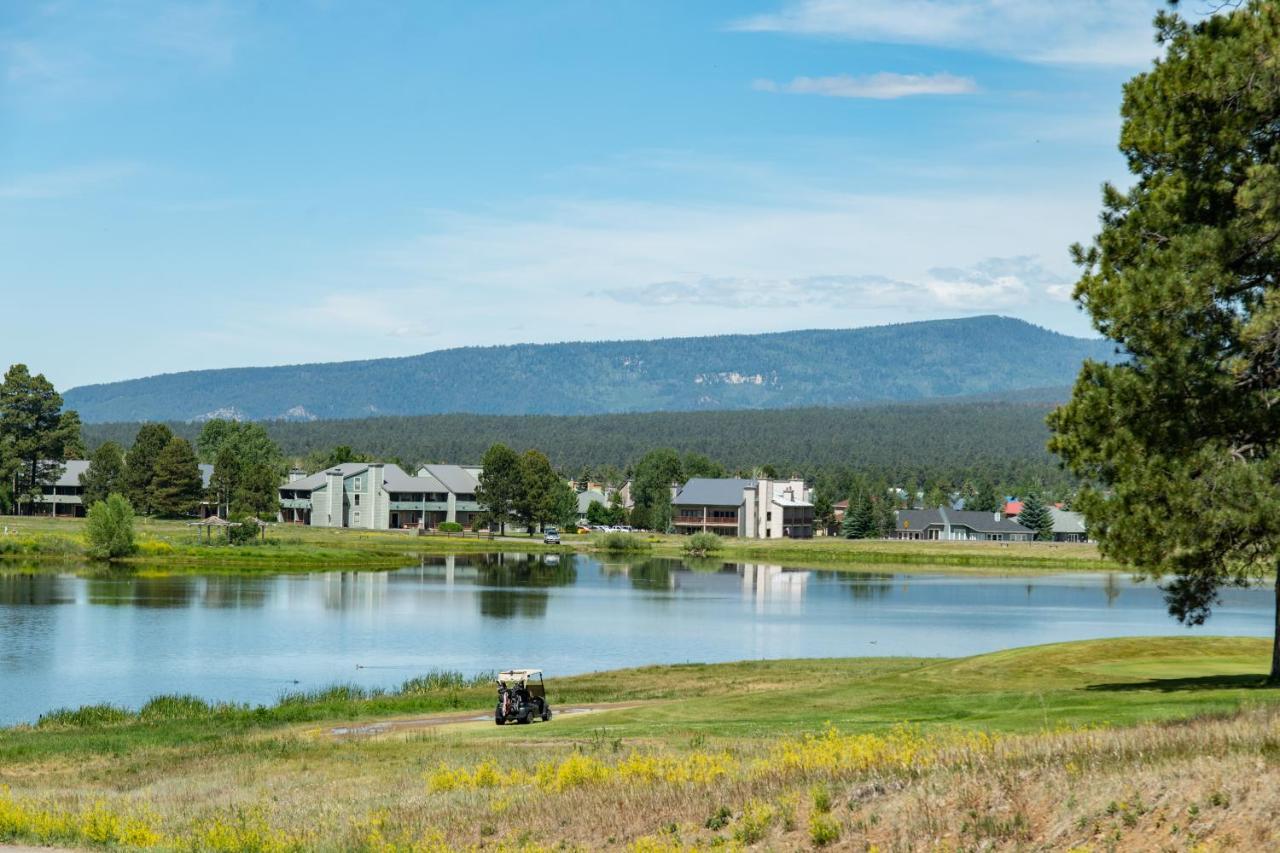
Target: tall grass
[
  {"x": 436, "y": 689},
  {"x": 619, "y": 541}
]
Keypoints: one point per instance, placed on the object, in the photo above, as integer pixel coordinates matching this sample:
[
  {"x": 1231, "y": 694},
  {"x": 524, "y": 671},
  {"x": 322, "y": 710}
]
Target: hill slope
[
  {"x": 912, "y": 361},
  {"x": 1000, "y": 441}
]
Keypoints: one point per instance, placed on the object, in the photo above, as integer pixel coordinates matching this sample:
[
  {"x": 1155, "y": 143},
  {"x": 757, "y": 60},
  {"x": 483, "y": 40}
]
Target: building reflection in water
[
  {"x": 354, "y": 590},
  {"x": 767, "y": 585}
]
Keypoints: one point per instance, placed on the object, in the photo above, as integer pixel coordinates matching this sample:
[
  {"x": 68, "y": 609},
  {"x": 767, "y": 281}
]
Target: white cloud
[
  {"x": 1084, "y": 32},
  {"x": 883, "y": 86},
  {"x": 995, "y": 284}
]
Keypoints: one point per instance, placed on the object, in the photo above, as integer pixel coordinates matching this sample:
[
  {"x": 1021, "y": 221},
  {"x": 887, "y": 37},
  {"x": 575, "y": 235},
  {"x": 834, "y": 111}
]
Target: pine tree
[
  {"x": 859, "y": 519},
  {"x": 32, "y": 438},
  {"x": 176, "y": 484},
  {"x": 1035, "y": 516},
  {"x": 985, "y": 499},
  {"x": 1178, "y": 439},
  {"x": 886, "y": 518},
  {"x": 499, "y": 483},
  {"x": 257, "y": 492},
  {"x": 535, "y": 503},
  {"x": 140, "y": 465},
  {"x": 105, "y": 474}
]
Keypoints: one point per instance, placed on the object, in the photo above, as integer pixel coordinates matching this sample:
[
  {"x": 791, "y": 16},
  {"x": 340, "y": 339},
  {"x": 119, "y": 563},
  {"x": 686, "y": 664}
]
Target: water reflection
[{"x": 115, "y": 636}]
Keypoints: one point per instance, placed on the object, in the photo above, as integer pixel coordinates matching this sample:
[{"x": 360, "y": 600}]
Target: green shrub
[
  {"x": 110, "y": 528},
  {"x": 823, "y": 830},
  {"x": 702, "y": 544},
  {"x": 754, "y": 823},
  {"x": 821, "y": 798},
  {"x": 620, "y": 540},
  {"x": 449, "y": 527}
]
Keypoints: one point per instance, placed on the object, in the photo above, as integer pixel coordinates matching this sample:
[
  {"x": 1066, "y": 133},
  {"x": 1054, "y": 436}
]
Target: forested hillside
[
  {"x": 1001, "y": 442},
  {"x": 912, "y": 361}
]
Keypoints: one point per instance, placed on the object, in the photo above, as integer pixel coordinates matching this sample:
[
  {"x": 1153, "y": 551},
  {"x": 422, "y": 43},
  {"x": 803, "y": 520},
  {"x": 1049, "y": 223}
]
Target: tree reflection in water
[{"x": 514, "y": 583}]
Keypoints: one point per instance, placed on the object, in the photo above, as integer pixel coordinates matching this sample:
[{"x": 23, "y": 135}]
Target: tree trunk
[{"x": 1274, "y": 677}]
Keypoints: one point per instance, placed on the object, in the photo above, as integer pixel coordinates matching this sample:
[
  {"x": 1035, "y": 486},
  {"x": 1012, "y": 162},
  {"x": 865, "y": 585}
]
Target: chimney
[{"x": 296, "y": 474}]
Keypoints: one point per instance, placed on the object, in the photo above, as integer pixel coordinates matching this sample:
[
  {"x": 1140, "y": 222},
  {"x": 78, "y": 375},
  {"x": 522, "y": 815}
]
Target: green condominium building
[{"x": 381, "y": 496}]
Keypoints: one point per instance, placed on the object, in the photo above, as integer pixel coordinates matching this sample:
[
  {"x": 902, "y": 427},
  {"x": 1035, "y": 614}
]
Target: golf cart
[{"x": 521, "y": 697}]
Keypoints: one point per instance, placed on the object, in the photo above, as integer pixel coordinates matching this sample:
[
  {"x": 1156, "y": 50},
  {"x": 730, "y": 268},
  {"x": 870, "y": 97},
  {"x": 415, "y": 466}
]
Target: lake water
[{"x": 67, "y": 640}]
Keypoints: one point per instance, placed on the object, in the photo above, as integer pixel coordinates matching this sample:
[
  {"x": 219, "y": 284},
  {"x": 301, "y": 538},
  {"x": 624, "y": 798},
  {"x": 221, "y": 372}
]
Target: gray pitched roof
[
  {"x": 1065, "y": 521},
  {"x": 71, "y": 471},
  {"x": 586, "y": 498},
  {"x": 318, "y": 479},
  {"x": 459, "y": 480},
  {"x": 983, "y": 522},
  {"x": 704, "y": 491},
  {"x": 397, "y": 480}
]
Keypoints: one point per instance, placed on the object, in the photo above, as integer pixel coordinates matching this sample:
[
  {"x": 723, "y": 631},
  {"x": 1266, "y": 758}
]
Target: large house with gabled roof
[
  {"x": 381, "y": 496},
  {"x": 959, "y": 525},
  {"x": 751, "y": 508}
]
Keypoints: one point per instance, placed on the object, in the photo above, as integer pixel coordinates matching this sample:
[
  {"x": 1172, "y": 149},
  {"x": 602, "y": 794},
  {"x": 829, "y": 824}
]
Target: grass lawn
[
  {"x": 1052, "y": 747},
  {"x": 173, "y": 546}
]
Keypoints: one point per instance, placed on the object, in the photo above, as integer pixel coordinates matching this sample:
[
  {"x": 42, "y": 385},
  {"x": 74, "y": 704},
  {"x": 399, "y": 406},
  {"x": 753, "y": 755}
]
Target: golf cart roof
[{"x": 519, "y": 674}]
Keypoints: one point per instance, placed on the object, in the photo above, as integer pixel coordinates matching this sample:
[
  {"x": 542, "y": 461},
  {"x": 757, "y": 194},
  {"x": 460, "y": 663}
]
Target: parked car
[{"x": 551, "y": 536}]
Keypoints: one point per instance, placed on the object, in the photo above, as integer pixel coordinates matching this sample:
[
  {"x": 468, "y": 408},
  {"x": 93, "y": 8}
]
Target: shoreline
[{"x": 172, "y": 546}]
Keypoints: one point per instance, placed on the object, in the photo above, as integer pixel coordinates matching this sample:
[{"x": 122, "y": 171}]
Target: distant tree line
[
  {"x": 158, "y": 474},
  {"x": 996, "y": 446}
]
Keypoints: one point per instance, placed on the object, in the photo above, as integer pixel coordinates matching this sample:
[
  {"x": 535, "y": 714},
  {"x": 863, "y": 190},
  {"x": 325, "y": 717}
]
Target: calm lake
[{"x": 67, "y": 640}]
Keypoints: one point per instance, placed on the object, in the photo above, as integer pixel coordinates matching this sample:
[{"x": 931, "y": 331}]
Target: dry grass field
[{"x": 1137, "y": 744}]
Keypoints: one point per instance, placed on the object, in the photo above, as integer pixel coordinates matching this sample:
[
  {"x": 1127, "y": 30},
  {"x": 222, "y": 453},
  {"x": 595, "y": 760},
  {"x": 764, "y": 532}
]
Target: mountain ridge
[{"x": 812, "y": 367}]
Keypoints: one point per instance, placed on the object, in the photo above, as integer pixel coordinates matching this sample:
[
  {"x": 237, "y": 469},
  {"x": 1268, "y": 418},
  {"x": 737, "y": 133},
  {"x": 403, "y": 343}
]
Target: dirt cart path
[{"x": 382, "y": 727}]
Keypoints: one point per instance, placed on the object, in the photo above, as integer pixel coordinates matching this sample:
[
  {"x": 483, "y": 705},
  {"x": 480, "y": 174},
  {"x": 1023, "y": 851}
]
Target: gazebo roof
[{"x": 213, "y": 521}]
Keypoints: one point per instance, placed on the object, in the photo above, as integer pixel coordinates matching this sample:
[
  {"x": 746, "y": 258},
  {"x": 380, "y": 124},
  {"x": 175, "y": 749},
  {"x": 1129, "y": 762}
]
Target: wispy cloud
[
  {"x": 1085, "y": 32},
  {"x": 62, "y": 183},
  {"x": 77, "y": 50},
  {"x": 992, "y": 284},
  {"x": 883, "y": 86}
]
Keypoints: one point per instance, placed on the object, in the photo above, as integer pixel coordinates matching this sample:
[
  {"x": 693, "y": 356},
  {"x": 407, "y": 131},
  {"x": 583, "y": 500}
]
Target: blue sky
[{"x": 216, "y": 184}]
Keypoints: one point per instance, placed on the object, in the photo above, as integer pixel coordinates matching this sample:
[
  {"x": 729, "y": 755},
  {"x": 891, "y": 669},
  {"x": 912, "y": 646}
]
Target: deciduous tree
[
  {"x": 656, "y": 472},
  {"x": 109, "y": 528},
  {"x": 1180, "y": 438}
]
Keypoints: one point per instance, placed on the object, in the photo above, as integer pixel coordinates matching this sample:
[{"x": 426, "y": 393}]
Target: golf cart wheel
[
  {"x": 546, "y": 713},
  {"x": 498, "y": 718},
  {"x": 526, "y": 718}
]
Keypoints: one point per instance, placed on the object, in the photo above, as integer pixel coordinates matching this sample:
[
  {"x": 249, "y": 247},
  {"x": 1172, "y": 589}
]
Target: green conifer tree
[
  {"x": 1035, "y": 515},
  {"x": 105, "y": 474},
  {"x": 176, "y": 486},
  {"x": 140, "y": 465}
]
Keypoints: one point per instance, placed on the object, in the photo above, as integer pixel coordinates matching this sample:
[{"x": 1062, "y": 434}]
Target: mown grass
[
  {"x": 982, "y": 751},
  {"x": 173, "y": 546}
]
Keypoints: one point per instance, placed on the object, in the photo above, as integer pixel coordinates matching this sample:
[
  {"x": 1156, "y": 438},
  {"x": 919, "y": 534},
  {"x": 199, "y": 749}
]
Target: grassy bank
[
  {"x": 173, "y": 545},
  {"x": 1061, "y": 746},
  {"x": 170, "y": 545}
]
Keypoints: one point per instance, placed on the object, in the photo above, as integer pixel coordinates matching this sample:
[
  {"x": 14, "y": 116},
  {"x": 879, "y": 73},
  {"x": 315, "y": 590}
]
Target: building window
[
  {"x": 768, "y": 516},
  {"x": 356, "y": 517},
  {"x": 355, "y": 484},
  {"x": 357, "y": 498}
]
